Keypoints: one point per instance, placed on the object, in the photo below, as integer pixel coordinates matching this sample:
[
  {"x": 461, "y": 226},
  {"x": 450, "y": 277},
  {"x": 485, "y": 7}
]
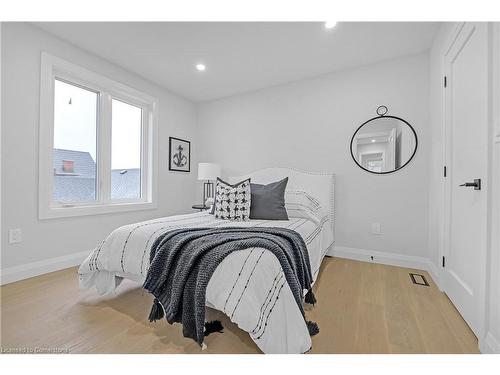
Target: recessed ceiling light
[
  {"x": 330, "y": 24},
  {"x": 200, "y": 67},
  {"x": 373, "y": 140}
]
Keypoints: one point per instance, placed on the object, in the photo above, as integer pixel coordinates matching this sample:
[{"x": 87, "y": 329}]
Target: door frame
[
  {"x": 446, "y": 185},
  {"x": 489, "y": 343}
]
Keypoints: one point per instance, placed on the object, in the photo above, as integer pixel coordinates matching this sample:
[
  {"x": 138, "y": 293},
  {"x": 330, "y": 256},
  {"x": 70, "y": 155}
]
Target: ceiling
[{"x": 241, "y": 56}]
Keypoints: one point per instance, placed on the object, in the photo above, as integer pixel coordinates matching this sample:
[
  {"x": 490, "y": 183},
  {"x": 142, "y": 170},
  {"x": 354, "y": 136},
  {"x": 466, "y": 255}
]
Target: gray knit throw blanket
[{"x": 182, "y": 262}]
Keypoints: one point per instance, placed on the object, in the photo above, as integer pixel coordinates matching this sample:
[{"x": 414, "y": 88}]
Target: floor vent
[{"x": 418, "y": 279}]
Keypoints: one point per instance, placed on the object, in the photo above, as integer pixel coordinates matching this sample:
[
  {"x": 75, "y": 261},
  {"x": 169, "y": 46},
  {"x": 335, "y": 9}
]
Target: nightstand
[{"x": 200, "y": 207}]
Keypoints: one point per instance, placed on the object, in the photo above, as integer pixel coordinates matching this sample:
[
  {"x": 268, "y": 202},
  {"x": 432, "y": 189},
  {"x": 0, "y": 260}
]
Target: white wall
[
  {"x": 309, "y": 125},
  {"x": 60, "y": 238}
]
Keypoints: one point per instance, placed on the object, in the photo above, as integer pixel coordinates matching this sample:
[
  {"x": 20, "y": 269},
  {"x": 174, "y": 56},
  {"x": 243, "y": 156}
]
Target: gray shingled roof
[
  {"x": 125, "y": 185},
  {"x": 80, "y": 185},
  {"x": 84, "y": 165}
]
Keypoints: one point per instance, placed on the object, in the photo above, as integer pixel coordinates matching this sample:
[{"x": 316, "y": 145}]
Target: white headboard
[{"x": 319, "y": 185}]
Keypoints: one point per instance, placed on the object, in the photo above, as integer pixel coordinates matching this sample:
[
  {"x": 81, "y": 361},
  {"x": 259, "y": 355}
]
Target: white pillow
[
  {"x": 232, "y": 202},
  {"x": 301, "y": 204}
]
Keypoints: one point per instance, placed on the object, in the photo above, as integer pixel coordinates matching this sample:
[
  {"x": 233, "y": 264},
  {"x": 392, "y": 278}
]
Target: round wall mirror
[{"x": 383, "y": 144}]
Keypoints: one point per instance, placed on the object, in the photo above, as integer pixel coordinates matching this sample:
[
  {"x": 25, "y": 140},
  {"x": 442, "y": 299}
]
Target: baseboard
[
  {"x": 25, "y": 271},
  {"x": 490, "y": 345},
  {"x": 433, "y": 271},
  {"x": 381, "y": 257}
]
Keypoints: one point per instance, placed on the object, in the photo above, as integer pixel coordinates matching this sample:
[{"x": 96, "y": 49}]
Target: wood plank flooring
[{"x": 362, "y": 308}]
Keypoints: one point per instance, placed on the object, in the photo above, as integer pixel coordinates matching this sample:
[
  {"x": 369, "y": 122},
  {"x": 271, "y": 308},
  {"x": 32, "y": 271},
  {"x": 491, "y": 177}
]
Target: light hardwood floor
[{"x": 362, "y": 308}]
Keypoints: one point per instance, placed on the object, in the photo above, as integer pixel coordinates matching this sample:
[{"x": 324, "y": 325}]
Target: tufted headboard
[{"x": 319, "y": 185}]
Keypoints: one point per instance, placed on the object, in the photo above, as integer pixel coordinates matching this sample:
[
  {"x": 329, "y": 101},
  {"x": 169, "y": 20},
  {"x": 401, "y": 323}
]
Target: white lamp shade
[{"x": 208, "y": 171}]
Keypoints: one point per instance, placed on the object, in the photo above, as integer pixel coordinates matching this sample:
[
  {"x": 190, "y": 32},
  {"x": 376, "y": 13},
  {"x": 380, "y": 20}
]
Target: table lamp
[{"x": 208, "y": 172}]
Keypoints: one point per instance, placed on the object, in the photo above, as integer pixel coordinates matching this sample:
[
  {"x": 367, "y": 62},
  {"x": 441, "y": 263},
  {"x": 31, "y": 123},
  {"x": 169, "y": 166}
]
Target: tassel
[
  {"x": 213, "y": 326},
  {"x": 310, "y": 298},
  {"x": 156, "y": 311},
  {"x": 312, "y": 327}
]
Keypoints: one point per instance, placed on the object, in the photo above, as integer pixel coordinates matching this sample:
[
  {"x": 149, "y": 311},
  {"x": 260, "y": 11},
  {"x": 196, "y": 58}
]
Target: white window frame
[{"x": 53, "y": 68}]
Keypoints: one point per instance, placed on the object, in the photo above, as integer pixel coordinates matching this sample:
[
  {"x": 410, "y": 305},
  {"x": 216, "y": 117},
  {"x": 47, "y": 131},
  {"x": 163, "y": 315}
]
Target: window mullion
[{"x": 104, "y": 141}]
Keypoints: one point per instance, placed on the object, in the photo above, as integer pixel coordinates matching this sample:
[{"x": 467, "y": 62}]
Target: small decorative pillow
[{"x": 232, "y": 202}]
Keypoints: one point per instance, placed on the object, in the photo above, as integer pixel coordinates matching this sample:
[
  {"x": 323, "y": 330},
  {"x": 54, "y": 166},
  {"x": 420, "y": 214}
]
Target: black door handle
[{"x": 476, "y": 184}]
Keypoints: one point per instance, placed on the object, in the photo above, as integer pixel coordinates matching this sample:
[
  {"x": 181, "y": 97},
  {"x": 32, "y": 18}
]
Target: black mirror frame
[{"x": 375, "y": 118}]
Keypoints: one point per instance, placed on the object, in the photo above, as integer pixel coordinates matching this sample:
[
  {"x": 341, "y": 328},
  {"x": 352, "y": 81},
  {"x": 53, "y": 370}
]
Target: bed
[{"x": 248, "y": 286}]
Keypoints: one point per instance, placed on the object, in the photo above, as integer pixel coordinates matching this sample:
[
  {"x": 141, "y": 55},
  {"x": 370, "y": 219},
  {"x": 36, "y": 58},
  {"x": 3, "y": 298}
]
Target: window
[
  {"x": 75, "y": 143},
  {"x": 125, "y": 151},
  {"x": 97, "y": 153}
]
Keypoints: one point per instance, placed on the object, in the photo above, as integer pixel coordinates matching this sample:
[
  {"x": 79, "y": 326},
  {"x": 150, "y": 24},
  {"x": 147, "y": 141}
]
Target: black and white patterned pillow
[{"x": 232, "y": 202}]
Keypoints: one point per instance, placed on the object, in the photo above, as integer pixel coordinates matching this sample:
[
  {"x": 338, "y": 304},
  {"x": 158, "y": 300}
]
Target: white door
[{"x": 466, "y": 64}]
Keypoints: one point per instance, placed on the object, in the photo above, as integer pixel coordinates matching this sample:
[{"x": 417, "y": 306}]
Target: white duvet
[{"x": 245, "y": 286}]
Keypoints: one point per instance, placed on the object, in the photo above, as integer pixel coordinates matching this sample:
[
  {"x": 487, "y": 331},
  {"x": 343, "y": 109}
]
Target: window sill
[{"x": 72, "y": 211}]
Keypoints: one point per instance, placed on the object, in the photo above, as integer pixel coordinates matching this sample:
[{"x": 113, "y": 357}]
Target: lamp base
[{"x": 208, "y": 191}]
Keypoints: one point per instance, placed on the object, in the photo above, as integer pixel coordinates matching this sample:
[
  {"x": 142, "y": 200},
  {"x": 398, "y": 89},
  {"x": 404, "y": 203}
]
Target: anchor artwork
[
  {"x": 179, "y": 155},
  {"x": 179, "y": 159}
]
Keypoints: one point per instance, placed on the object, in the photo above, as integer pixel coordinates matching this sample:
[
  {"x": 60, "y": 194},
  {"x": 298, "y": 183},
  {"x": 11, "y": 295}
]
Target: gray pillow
[{"x": 268, "y": 201}]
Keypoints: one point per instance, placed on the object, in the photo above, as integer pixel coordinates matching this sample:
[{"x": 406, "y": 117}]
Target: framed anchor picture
[{"x": 179, "y": 155}]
